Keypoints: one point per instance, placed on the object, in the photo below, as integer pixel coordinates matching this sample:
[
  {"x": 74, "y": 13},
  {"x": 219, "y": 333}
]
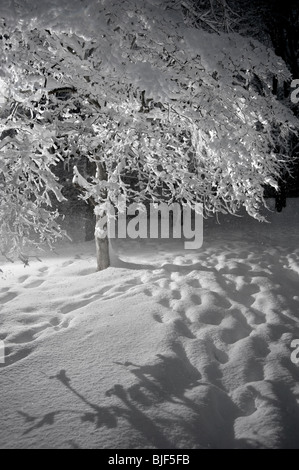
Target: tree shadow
[
  {"x": 203, "y": 412},
  {"x": 155, "y": 405},
  {"x": 101, "y": 416}
]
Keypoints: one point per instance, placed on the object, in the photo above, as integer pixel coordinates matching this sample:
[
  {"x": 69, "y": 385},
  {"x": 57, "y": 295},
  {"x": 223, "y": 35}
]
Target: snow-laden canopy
[{"x": 192, "y": 113}]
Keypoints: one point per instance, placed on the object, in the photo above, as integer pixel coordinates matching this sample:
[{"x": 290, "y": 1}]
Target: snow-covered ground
[{"x": 166, "y": 349}]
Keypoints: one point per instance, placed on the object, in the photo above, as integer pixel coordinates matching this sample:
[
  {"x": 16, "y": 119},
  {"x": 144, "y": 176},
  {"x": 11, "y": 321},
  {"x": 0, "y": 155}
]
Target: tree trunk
[
  {"x": 102, "y": 249},
  {"x": 102, "y": 244}
]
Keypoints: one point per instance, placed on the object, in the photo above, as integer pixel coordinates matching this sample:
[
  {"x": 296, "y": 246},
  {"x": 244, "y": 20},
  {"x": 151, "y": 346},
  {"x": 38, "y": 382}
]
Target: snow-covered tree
[
  {"x": 26, "y": 181},
  {"x": 139, "y": 89}
]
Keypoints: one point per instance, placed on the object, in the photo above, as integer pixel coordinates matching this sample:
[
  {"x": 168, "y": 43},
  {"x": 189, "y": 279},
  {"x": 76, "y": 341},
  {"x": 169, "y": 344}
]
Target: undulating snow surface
[{"x": 166, "y": 349}]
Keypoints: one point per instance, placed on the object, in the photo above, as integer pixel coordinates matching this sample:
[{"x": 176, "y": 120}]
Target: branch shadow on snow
[
  {"x": 202, "y": 413},
  {"x": 102, "y": 416},
  {"x": 195, "y": 413}
]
